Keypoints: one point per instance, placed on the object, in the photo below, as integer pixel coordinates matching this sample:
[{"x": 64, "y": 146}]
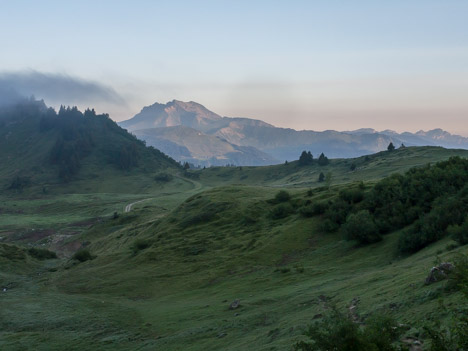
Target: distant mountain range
[{"x": 187, "y": 131}]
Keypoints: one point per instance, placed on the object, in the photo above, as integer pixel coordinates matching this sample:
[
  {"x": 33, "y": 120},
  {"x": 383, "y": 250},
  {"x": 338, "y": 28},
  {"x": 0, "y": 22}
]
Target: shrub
[
  {"x": 315, "y": 209},
  {"x": 306, "y": 211},
  {"x": 12, "y": 252},
  {"x": 337, "y": 332},
  {"x": 459, "y": 233},
  {"x": 163, "y": 177},
  {"x": 83, "y": 255},
  {"x": 282, "y": 196},
  {"x": 458, "y": 277},
  {"x": 329, "y": 226},
  {"x": 449, "y": 338},
  {"x": 139, "y": 245},
  {"x": 445, "y": 218},
  {"x": 361, "y": 227},
  {"x": 338, "y": 211},
  {"x": 354, "y": 195},
  {"x": 282, "y": 211},
  {"x": 41, "y": 254},
  {"x": 320, "y": 207}
]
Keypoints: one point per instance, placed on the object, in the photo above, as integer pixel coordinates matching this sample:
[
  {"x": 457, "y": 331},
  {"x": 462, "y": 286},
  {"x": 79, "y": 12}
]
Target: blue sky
[{"x": 341, "y": 65}]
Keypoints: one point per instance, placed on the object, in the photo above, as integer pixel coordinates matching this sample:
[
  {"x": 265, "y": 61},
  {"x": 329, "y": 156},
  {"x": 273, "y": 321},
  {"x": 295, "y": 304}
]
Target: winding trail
[{"x": 128, "y": 207}]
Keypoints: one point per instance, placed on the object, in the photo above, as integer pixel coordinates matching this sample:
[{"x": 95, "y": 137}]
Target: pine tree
[
  {"x": 323, "y": 160},
  {"x": 306, "y": 158}
]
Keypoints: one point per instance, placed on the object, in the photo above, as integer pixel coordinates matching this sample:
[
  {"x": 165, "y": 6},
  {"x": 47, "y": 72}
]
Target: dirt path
[{"x": 128, "y": 207}]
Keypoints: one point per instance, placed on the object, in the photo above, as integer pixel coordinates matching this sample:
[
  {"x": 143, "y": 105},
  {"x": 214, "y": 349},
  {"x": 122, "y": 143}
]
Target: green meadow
[{"x": 163, "y": 275}]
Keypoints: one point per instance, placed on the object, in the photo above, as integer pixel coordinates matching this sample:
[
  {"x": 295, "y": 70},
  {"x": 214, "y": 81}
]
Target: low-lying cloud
[{"x": 57, "y": 89}]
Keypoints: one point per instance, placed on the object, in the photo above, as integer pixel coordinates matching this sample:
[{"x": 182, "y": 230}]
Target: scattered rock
[
  {"x": 236, "y": 314},
  {"x": 439, "y": 272},
  {"x": 234, "y": 304},
  {"x": 353, "y": 310},
  {"x": 413, "y": 344},
  {"x": 221, "y": 335}
]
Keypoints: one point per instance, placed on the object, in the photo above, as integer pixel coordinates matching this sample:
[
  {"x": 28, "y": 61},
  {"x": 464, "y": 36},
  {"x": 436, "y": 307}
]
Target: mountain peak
[{"x": 173, "y": 113}]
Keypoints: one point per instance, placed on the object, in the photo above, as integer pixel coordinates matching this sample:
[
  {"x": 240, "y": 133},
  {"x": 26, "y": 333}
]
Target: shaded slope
[{"x": 190, "y": 145}]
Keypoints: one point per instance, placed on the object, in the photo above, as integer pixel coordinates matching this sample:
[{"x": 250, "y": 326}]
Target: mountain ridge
[{"x": 280, "y": 143}]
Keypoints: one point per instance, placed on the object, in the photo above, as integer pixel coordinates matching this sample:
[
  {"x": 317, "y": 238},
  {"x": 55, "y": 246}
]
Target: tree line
[{"x": 428, "y": 202}]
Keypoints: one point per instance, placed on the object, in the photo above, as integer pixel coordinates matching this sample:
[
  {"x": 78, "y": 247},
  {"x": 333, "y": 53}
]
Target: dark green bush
[
  {"x": 281, "y": 211},
  {"x": 337, "y": 332},
  {"x": 458, "y": 277},
  {"x": 353, "y": 195},
  {"x": 315, "y": 209},
  {"x": 320, "y": 207},
  {"x": 453, "y": 337},
  {"x": 139, "y": 245},
  {"x": 338, "y": 211},
  {"x": 446, "y": 216},
  {"x": 432, "y": 200},
  {"x": 83, "y": 255},
  {"x": 329, "y": 226},
  {"x": 282, "y": 196},
  {"x": 163, "y": 177},
  {"x": 41, "y": 254},
  {"x": 459, "y": 233},
  {"x": 307, "y": 211},
  {"x": 12, "y": 252},
  {"x": 361, "y": 227}
]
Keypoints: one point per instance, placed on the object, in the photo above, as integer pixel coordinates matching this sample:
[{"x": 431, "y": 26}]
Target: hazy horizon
[{"x": 302, "y": 65}]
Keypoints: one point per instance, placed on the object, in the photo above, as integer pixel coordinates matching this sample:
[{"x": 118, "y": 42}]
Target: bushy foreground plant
[
  {"x": 41, "y": 254},
  {"x": 282, "y": 196},
  {"x": 337, "y": 332},
  {"x": 281, "y": 211},
  {"x": 360, "y": 226},
  {"x": 449, "y": 338},
  {"x": 83, "y": 255}
]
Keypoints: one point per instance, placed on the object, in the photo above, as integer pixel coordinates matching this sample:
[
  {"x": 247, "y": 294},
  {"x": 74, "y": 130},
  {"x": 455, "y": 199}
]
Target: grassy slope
[
  {"x": 216, "y": 246},
  {"x": 370, "y": 167}
]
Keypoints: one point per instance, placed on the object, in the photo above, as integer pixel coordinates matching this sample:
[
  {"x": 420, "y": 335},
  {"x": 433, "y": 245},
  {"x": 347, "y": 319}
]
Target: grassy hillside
[
  {"x": 366, "y": 168},
  {"x": 163, "y": 275}
]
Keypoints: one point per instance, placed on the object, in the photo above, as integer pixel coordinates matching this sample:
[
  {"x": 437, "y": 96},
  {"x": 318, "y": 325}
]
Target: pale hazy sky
[{"x": 327, "y": 64}]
